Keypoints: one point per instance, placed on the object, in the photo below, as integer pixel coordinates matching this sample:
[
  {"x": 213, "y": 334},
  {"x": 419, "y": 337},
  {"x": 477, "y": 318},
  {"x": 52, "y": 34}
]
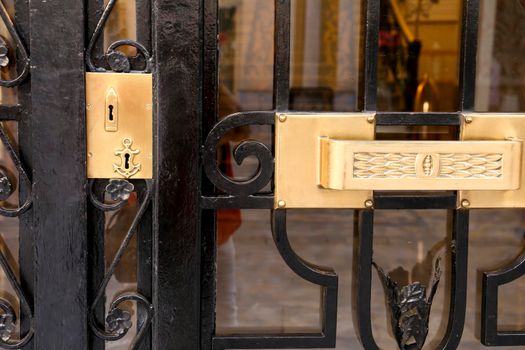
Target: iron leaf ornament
[{"x": 409, "y": 308}]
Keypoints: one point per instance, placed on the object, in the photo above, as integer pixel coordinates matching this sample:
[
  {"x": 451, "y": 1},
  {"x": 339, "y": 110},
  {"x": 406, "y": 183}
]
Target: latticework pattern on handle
[{"x": 451, "y": 165}]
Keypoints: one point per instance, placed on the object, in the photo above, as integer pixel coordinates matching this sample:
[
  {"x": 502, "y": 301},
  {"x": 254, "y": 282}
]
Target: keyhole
[
  {"x": 126, "y": 162},
  {"x": 111, "y": 112}
]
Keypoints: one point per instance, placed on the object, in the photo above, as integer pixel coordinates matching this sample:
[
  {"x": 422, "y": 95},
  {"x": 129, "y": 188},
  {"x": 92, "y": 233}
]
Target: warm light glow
[{"x": 426, "y": 106}]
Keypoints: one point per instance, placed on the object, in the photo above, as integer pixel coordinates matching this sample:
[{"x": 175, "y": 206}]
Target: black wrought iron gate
[{"x": 58, "y": 286}]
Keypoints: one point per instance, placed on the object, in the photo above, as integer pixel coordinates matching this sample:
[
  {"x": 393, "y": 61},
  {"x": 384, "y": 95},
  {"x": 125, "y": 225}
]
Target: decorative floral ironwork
[
  {"x": 409, "y": 308},
  {"x": 6, "y": 187},
  {"x": 118, "y": 321},
  {"x": 117, "y": 61},
  {"x": 8, "y": 316},
  {"x": 119, "y": 190},
  {"x": 4, "y": 50},
  {"x": 23, "y": 57},
  {"x": 7, "y": 326}
]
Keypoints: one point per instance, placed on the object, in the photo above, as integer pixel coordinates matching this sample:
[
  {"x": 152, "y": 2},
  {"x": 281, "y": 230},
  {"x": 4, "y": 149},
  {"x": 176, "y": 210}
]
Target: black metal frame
[
  {"x": 247, "y": 195},
  {"x": 61, "y": 260}
]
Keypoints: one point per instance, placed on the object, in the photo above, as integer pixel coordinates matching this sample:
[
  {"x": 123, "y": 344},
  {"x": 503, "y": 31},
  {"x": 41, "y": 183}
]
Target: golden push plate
[
  {"x": 419, "y": 165},
  {"x": 119, "y": 125},
  {"x": 332, "y": 161},
  {"x": 489, "y": 127},
  {"x": 298, "y": 157}
]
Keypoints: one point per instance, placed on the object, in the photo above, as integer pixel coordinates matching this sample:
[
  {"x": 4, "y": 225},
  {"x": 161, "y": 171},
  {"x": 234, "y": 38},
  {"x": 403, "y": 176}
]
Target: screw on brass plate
[
  {"x": 465, "y": 203},
  {"x": 282, "y": 118},
  {"x": 369, "y": 204},
  {"x": 468, "y": 119},
  {"x": 281, "y": 204},
  {"x": 371, "y": 119}
]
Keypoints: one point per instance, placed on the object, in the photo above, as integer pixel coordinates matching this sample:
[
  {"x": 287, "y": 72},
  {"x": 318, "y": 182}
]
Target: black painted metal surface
[{"x": 63, "y": 276}]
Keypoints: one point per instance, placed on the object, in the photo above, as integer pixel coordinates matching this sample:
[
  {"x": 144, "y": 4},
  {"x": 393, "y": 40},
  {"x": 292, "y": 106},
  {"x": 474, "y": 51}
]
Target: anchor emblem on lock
[{"x": 127, "y": 167}]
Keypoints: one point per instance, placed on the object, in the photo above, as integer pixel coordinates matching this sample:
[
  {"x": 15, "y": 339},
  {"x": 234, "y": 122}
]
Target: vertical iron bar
[
  {"x": 370, "y": 48},
  {"x": 94, "y": 12},
  {"x": 96, "y": 262},
  {"x": 177, "y": 244},
  {"x": 281, "y": 80},
  {"x": 208, "y": 218},
  {"x": 59, "y": 207},
  {"x": 469, "y": 45},
  {"x": 362, "y": 277},
  {"x": 458, "y": 282},
  {"x": 143, "y": 23},
  {"x": 144, "y": 265}
]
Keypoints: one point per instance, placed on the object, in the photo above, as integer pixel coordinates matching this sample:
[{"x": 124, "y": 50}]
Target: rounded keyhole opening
[
  {"x": 111, "y": 112},
  {"x": 126, "y": 160}
]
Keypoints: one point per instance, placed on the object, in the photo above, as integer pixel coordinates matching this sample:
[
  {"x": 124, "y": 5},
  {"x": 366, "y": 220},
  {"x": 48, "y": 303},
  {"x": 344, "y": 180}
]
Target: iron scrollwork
[
  {"x": 23, "y": 57},
  {"x": 8, "y": 317},
  {"x": 248, "y": 148},
  {"x": 492, "y": 280},
  {"x": 116, "y": 60},
  {"x": 118, "y": 320}
]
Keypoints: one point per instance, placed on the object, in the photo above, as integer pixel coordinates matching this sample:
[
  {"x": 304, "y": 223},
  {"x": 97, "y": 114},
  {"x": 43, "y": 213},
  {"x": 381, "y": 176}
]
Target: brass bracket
[
  {"x": 333, "y": 161},
  {"x": 119, "y": 121}
]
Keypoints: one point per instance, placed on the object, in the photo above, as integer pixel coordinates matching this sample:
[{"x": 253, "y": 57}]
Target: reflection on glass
[
  {"x": 419, "y": 55},
  {"x": 324, "y": 55},
  {"x": 246, "y": 52},
  {"x": 500, "y": 69},
  {"x": 122, "y": 24}
]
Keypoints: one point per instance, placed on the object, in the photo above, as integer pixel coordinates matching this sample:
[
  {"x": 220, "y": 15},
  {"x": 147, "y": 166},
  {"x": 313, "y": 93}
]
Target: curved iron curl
[
  {"x": 8, "y": 309},
  {"x": 126, "y": 42},
  {"x": 22, "y": 175},
  {"x": 101, "y": 205},
  {"x": 245, "y": 149},
  {"x": 143, "y": 323},
  {"x": 23, "y": 55},
  {"x": 324, "y": 277}
]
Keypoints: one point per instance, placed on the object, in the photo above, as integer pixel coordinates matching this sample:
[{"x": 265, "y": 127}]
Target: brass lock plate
[
  {"x": 333, "y": 161},
  {"x": 298, "y": 154},
  {"x": 119, "y": 124}
]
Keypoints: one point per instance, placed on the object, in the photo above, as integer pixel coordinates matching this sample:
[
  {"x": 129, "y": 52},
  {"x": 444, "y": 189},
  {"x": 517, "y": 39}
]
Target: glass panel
[
  {"x": 324, "y": 55},
  {"x": 419, "y": 55},
  {"x": 500, "y": 68},
  {"x": 246, "y": 55},
  {"x": 122, "y": 24},
  {"x": 256, "y": 291}
]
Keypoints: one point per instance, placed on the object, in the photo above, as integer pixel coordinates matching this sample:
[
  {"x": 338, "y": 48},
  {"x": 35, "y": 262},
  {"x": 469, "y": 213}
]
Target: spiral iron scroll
[
  {"x": 117, "y": 61},
  {"x": 23, "y": 57},
  {"x": 245, "y": 149},
  {"x": 8, "y": 317},
  {"x": 118, "y": 321}
]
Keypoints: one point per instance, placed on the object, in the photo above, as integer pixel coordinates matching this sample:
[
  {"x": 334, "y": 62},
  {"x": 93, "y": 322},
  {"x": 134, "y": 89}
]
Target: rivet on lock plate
[{"x": 119, "y": 125}]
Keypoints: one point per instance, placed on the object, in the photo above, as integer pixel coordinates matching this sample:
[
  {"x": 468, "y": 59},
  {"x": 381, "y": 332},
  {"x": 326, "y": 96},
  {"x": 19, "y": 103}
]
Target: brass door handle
[
  {"x": 332, "y": 160},
  {"x": 419, "y": 165}
]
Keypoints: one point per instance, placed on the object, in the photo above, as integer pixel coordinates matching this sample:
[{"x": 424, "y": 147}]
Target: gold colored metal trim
[
  {"x": 119, "y": 124},
  {"x": 298, "y": 156},
  {"x": 332, "y": 161},
  {"x": 419, "y": 165},
  {"x": 489, "y": 127}
]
